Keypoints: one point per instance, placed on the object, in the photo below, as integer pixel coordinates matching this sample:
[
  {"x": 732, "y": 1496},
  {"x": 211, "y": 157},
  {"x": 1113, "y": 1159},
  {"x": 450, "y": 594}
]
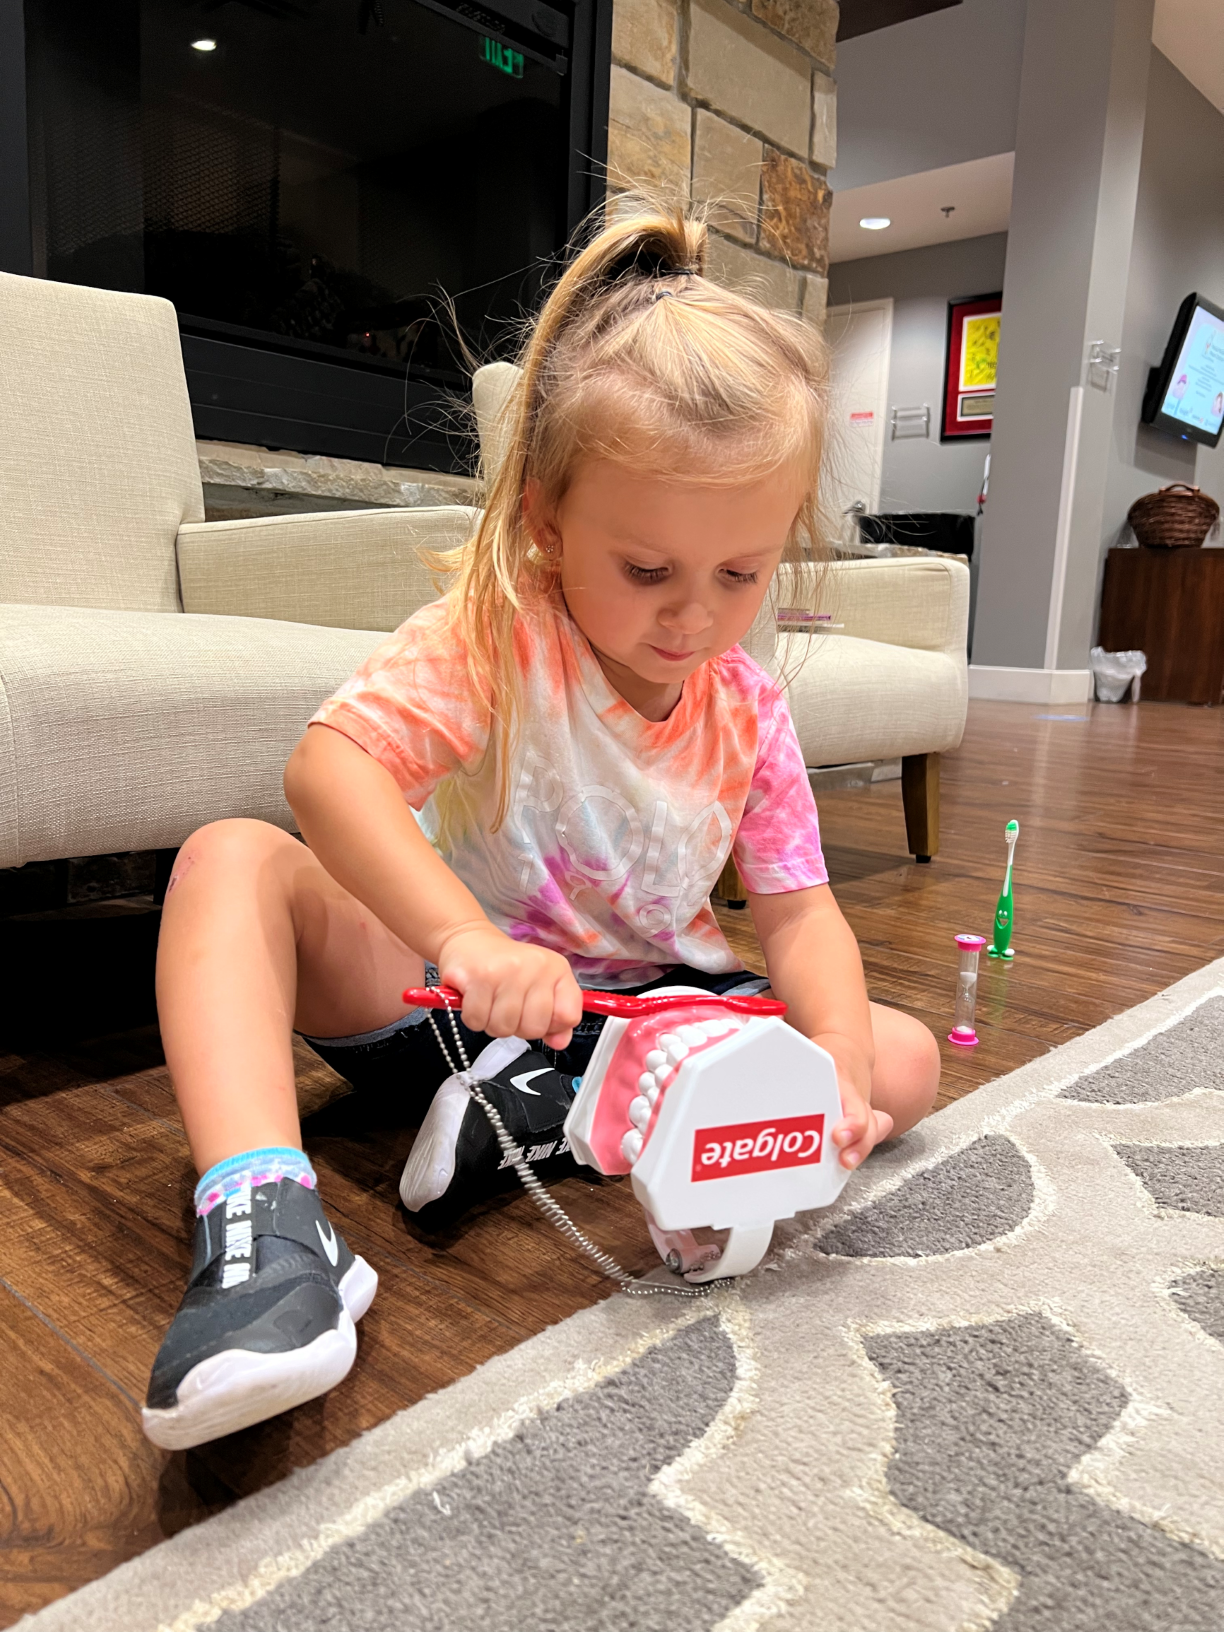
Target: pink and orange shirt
[{"x": 618, "y": 827}]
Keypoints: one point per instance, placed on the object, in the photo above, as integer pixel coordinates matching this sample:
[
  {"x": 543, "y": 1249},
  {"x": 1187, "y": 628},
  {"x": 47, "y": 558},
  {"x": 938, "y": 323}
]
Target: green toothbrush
[{"x": 1000, "y": 947}]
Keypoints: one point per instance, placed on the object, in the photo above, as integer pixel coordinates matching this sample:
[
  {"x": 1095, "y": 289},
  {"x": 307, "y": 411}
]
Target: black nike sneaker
[
  {"x": 456, "y": 1160},
  {"x": 267, "y": 1319}
]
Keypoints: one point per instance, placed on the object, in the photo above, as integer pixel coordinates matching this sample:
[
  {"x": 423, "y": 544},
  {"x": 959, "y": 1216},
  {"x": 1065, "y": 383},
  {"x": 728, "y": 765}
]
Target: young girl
[{"x": 586, "y": 743}]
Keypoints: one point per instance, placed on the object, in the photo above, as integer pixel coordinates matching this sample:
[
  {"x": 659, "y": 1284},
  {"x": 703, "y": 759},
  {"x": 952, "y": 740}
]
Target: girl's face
[{"x": 661, "y": 575}]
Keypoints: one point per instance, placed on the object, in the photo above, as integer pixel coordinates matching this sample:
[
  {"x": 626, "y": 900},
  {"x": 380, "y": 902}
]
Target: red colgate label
[{"x": 755, "y": 1147}]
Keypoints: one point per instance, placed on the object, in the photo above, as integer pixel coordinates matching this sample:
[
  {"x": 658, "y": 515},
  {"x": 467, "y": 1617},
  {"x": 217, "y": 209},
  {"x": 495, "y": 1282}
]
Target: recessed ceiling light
[
  {"x": 203, "y": 45},
  {"x": 876, "y": 223}
]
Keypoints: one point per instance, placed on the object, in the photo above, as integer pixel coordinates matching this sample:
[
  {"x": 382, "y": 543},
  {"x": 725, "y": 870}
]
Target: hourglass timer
[{"x": 966, "y": 990}]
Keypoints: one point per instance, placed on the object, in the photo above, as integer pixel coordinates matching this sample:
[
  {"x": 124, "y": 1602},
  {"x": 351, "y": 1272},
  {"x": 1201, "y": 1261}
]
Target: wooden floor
[{"x": 1119, "y": 890}]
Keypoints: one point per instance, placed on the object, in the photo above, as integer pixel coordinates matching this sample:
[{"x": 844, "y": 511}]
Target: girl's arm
[
  {"x": 815, "y": 968},
  {"x": 355, "y": 820}
]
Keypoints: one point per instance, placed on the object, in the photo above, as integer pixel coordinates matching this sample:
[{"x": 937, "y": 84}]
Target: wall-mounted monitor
[{"x": 1185, "y": 395}]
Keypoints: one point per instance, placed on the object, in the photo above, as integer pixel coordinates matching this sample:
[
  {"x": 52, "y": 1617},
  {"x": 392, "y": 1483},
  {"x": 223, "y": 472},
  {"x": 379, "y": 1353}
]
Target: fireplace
[{"x": 308, "y": 181}]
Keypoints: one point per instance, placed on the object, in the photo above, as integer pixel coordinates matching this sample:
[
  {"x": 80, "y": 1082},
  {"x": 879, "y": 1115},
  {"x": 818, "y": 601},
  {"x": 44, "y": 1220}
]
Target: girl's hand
[
  {"x": 510, "y": 990},
  {"x": 860, "y": 1127}
]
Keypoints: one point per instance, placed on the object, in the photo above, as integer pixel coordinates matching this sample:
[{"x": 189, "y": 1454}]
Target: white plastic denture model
[
  {"x": 719, "y": 1111},
  {"x": 721, "y": 1119}
]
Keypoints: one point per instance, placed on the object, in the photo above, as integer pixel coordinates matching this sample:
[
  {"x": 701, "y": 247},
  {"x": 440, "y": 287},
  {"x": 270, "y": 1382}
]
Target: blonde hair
[{"x": 638, "y": 358}]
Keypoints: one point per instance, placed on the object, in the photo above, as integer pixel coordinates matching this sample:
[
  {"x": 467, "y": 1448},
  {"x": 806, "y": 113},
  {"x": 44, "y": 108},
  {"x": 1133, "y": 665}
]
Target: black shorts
[{"x": 403, "y": 1061}]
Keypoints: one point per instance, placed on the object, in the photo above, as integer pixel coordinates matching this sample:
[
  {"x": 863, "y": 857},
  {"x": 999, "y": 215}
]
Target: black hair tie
[{"x": 647, "y": 264}]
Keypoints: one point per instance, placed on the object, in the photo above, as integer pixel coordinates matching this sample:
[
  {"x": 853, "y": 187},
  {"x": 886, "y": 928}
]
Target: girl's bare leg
[
  {"x": 257, "y": 941},
  {"x": 905, "y": 1079}
]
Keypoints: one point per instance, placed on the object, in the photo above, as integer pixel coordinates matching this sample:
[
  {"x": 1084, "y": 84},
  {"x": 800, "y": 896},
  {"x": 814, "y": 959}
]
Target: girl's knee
[
  {"x": 920, "y": 1080},
  {"x": 237, "y": 843},
  {"x": 925, "y": 1068},
  {"x": 905, "y": 1082}
]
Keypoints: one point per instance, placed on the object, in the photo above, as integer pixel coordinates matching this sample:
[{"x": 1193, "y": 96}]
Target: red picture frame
[{"x": 968, "y": 405}]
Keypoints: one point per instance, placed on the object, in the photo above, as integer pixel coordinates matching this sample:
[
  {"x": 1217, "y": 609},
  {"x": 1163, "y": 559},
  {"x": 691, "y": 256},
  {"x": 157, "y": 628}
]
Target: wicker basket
[{"x": 1178, "y": 517}]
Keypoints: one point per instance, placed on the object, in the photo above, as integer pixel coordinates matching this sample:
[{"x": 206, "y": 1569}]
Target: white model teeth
[
  {"x": 639, "y": 1113},
  {"x": 693, "y": 1035},
  {"x": 650, "y": 1083},
  {"x": 675, "y": 1047},
  {"x": 631, "y": 1145},
  {"x": 655, "y": 1060}
]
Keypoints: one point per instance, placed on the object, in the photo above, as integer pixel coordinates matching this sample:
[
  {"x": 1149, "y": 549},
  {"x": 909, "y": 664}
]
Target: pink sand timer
[{"x": 966, "y": 990}]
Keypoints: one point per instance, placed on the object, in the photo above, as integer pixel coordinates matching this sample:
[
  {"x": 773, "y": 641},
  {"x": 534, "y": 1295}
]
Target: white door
[{"x": 860, "y": 344}]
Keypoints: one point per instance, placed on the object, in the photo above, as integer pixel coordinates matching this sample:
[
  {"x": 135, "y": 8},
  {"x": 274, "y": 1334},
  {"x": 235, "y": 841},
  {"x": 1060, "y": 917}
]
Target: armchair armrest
[
  {"x": 345, "y": 569},
  {"x": 922, "y": 604},
  {"x": 914, "y": 601}
]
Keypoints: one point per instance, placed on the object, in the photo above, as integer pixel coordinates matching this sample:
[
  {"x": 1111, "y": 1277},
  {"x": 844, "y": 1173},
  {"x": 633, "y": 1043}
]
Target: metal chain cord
[{"x": 552, "y": 1209}]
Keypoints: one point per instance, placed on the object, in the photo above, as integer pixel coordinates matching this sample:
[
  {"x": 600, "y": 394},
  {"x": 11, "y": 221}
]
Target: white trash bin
[{"x": 1116, "y": 673}]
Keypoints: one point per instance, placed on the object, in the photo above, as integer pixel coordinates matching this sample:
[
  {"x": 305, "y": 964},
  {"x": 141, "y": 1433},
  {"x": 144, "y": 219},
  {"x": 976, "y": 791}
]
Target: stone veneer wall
[{"x": 734, "y": 106}]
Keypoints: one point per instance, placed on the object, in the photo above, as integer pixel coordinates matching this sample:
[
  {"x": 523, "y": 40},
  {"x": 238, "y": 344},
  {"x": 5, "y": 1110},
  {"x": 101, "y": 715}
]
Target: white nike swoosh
[
  {"x": 520, "y": 1082},
  {"x": 330, "y": 1245}
]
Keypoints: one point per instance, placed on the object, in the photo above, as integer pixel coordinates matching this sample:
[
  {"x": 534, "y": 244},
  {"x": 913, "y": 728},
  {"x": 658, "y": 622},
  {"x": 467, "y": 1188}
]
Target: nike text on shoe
[
  {"x": 456, "y": 1160},
  {"x": 267, "y": 1319}
]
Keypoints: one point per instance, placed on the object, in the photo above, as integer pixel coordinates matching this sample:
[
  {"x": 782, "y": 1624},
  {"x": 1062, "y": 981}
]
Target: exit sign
[{"x": 501, "y": 57}]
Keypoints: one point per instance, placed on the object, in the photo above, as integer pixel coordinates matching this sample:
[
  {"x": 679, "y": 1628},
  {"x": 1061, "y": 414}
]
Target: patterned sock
[{"x": 252, "y": 1167}]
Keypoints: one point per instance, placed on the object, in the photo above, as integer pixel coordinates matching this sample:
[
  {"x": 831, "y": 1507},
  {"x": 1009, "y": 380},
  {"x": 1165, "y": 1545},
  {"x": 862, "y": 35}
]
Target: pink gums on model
[{"x": 640, "y": 1069}]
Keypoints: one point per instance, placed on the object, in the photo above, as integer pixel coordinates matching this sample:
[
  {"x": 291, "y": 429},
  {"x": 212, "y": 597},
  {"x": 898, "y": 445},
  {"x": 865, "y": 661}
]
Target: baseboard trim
[{"x": 999, "y": 685}]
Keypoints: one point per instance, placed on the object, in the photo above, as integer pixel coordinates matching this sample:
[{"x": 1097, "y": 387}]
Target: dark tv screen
[{"x": 1185, "y": 395}]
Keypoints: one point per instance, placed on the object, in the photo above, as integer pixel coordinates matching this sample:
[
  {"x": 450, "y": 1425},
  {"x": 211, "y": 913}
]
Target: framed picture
[{"x": 971, "y": 367}]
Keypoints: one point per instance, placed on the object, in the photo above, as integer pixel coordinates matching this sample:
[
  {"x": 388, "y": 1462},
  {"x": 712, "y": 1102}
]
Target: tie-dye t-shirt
[{"x": 618, "y": 827}]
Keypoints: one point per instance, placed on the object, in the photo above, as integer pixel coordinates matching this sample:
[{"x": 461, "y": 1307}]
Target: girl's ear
[{"x": 539, "y": 520}]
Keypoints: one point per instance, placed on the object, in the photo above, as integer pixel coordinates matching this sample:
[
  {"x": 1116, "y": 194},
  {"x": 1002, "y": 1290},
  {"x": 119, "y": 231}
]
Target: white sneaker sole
[
  {"x": 236, "y": 1388},
  {"x": 431, "y": 1161}
]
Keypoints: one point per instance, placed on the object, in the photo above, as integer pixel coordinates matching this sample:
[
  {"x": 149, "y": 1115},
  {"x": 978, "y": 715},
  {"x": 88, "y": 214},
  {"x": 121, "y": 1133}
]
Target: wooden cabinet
[{"x": 1169, "y": 604}]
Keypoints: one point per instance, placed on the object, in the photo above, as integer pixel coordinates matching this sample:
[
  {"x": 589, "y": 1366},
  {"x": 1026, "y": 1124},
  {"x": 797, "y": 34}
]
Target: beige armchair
[{"x": 156, "y": 670}]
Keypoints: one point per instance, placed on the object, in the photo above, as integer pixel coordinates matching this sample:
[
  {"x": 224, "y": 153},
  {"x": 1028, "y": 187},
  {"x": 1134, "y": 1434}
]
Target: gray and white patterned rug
[{"x": 984, "y": 1391}]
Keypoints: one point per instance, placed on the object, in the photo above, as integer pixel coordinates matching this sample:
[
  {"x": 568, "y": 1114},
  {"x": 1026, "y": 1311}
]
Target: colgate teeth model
[{"x": 720, "y": 1113}]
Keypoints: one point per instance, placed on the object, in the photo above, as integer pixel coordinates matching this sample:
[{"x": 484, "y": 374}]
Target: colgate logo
[{"x": 755, "y": 1147}]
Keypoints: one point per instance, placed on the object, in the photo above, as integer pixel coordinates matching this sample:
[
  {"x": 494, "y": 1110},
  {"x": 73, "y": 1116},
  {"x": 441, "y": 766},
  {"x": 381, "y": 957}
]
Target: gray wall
[
  {"x": 924, "y": 474},
  {"x": 937, "y": 90},
  {"x": 1178, "y": 246}
]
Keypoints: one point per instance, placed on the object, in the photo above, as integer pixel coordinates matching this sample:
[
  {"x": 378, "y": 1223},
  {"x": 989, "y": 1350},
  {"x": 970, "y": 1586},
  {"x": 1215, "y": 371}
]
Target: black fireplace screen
[{"x": 312, "y": 175}]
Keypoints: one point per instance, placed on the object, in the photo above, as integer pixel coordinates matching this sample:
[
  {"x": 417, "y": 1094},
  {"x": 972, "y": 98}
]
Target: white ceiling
[
  {"x": 1191, "y": 35},
  {"x": 979, "y": 191}
]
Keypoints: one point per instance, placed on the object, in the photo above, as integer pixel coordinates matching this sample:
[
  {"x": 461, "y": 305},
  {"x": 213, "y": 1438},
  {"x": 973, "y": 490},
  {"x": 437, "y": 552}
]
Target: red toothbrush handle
[
  {"x": 433, "y": 997},
  {"x": 632, "y": 1008},
  {"x": 613, "y": 1003}
]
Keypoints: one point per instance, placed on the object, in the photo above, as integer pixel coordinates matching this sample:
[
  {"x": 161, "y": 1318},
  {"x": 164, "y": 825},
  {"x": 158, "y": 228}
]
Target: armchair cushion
[
  {"x": 345, "y": 569},
  {"x": 127, "y": 730}
]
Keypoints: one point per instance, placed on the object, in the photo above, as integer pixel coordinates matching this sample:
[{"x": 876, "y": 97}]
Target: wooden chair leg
[
  {"x": 730, "y": 886},
  {"x": 920, "y": 795}
]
